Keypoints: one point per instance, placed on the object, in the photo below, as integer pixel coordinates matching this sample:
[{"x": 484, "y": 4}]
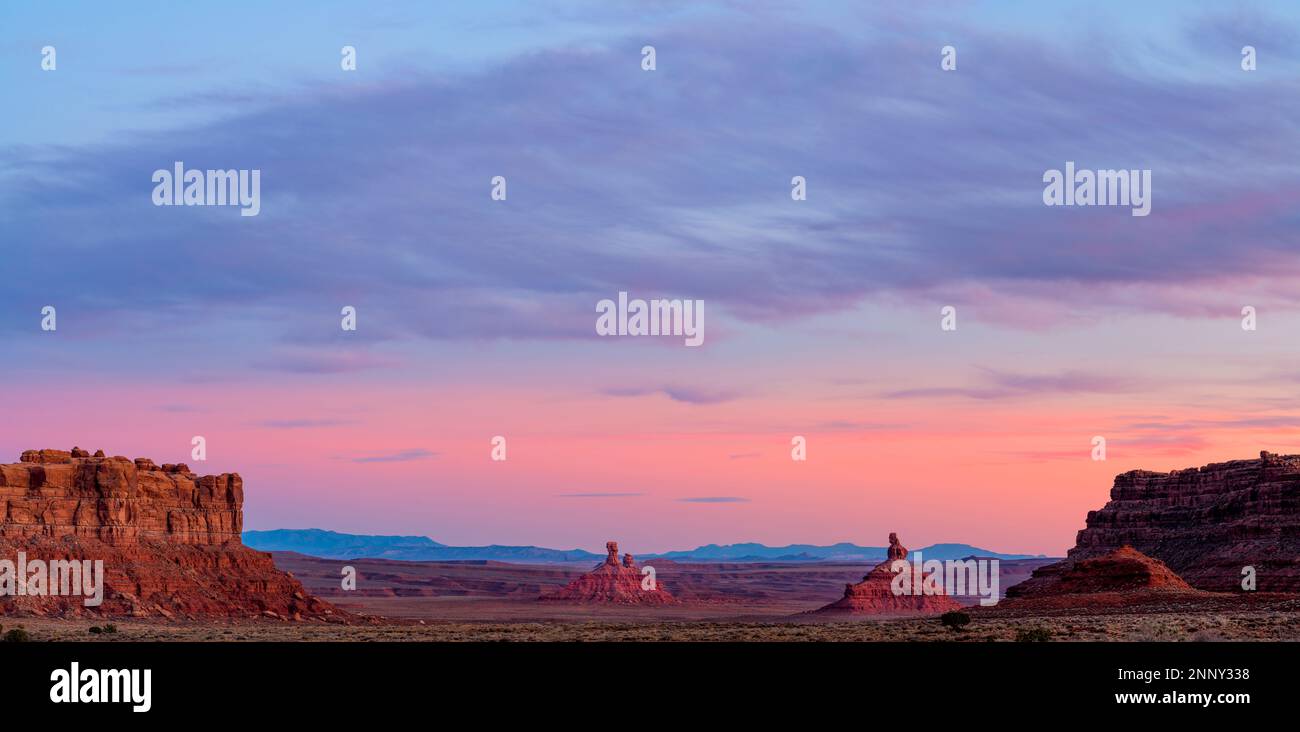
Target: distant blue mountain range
[
  {"x": 834, "y": 553},
  {"x": 333, "y": 545}
]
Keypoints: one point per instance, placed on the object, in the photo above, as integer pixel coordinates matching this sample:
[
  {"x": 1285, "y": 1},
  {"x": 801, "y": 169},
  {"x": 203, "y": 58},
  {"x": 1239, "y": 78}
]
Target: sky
[{"x": 475, "y": 316}]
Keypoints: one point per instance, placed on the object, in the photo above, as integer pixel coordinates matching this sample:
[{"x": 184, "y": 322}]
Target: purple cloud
[
  {"x": 672, "y": 183},
  {"x": 1004, "y": 385}
]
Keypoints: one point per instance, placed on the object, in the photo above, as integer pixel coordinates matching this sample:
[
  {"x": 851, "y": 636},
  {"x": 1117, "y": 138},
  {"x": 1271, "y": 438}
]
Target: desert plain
[{"x": 729, "y": 602}]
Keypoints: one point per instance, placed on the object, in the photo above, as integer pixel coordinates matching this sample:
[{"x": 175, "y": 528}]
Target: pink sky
[{"x": 937, "y": 450}]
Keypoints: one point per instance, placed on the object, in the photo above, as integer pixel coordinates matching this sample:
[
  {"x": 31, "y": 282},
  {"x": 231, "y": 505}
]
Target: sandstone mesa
[
  {"x": 1206, "y": 524},
  {"x": 169, "y": 539}
]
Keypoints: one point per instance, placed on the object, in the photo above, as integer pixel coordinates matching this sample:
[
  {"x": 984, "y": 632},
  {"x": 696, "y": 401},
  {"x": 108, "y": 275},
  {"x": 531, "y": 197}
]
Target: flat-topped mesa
[
  {"x": 1208, "y": 524},
  {"x": 117, "y": 500},
  {"x": 167, "y": 539}
]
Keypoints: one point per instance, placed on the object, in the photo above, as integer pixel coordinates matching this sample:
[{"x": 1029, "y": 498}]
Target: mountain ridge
[{"x": 335, "y": 545}]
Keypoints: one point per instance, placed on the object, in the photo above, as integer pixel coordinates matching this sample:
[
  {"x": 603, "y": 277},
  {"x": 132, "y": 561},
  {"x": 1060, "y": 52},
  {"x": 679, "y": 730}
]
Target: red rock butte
[
  {"x": 612, "y": 582},
  {"x": 874, "y": 595},
  {"x": 1207, "y": 524},
  {"x": 169, "y": 539}
]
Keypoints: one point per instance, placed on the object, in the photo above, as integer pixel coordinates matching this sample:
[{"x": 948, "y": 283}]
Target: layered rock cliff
[
  {"x": 168, "y": 539},
  {"x": 1207, "y": 524},
  {"x": 116, "y": 500}
]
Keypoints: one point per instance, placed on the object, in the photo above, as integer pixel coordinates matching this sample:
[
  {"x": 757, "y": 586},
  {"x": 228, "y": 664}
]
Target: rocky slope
[
  {"x": 1123, "y": 581},
  {"x": 1209, "y": 523},
  {"x": 613, "y": 582},
  {"x": 168, "y": 540},
  {"x": 1124, "y": 570}
]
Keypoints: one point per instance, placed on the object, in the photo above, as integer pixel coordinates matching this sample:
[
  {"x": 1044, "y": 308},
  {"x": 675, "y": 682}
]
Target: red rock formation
[
  {"x": 1123, "y": 570},
  {"x": 1207, "y": 523},
  {"x": 116, "y": 500},
  {"x": 874, "y": 595},
  {"x": 896, "y": 549},
  {"x": 1123, "y": 580},
  {"x": 169, "y": 540},
  {"x": 612, "y": 583}
]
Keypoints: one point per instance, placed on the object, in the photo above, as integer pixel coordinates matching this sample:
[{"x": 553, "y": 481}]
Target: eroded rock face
[
  {"x": 1207, "y": 524},
  {"x": 896, "y": 549},
  {"x": 612, "y": 583},
  {"x": 169, "y": 540},
  {"x": 874, "y": 595},
  {"x": 118, "y": 501}
]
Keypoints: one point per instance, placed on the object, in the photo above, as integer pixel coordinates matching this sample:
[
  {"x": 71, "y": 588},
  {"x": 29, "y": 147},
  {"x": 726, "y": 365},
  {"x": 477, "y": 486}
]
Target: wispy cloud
[
  {"x": 1004, "y": 385},
  {"x": 847, "y": 425},
  {"x": 599, "y": 495},
  {"x": 180, "y": 408},
  {"x": 397, "y": 457},
  {"x": 301, "y": 424},
  {"x": 323, "y": 362},
  {"x": 1275, "y": 421},
  {"x": 683, "y": 394}
]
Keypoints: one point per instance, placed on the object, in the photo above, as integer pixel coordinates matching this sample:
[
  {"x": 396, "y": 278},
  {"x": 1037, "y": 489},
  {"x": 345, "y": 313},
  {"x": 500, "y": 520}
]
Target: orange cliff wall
[{"x": 116, "y": 500}]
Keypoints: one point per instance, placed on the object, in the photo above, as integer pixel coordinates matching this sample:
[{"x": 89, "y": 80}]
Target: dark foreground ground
[{"x": 1249, "y": 626}]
